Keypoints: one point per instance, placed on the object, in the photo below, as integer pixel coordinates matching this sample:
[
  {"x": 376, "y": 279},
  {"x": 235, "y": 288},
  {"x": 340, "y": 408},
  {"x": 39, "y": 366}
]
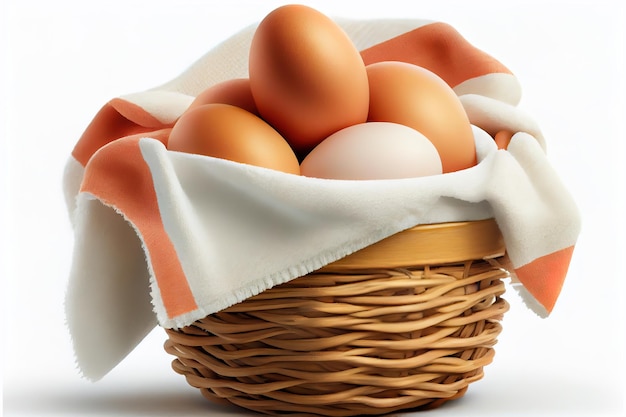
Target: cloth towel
[{"x": 166, "y": 238}]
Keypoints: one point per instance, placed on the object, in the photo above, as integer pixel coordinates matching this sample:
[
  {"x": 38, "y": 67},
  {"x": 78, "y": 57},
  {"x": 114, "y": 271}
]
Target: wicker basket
[{"x": 407, "y": 323}]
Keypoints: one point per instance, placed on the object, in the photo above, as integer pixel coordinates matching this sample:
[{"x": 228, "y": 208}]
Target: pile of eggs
[{"x": 312, "y": 107}]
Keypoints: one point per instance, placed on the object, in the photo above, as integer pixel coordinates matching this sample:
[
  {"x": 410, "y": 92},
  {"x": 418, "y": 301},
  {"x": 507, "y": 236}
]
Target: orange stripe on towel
[
  {"x": 544, "y": 276},
  {"x": 136, "y": 113},
  {"x": 115, "y": 120},
  {"x": 439, "y": 48},
  {"x": 162, "y": 135},
  {"x": 118, "y": 175}
]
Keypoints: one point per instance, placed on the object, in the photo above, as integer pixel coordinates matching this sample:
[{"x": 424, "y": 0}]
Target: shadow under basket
[{"x": 407, "y": 323}]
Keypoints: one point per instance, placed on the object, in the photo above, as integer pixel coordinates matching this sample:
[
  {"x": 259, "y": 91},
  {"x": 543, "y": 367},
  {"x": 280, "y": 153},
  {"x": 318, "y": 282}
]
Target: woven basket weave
[{"x": 407, "y": 323}]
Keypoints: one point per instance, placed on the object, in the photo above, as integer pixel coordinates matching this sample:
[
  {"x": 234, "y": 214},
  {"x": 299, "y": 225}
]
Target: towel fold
[{"x": 167, "y": 238}]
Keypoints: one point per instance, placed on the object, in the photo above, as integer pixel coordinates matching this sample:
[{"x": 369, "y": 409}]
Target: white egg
[{"x": 373, "y": 150}]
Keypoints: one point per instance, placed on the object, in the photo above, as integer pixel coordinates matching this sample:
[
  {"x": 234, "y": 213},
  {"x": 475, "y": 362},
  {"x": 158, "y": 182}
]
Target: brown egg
[
  {"x": 235, "y": 92},
  {"x": 503, "y": 138},
  {"x": 307, "y": 78},
  {"x": 416, "y": 97},
  {"x": 229, "y": 132}
]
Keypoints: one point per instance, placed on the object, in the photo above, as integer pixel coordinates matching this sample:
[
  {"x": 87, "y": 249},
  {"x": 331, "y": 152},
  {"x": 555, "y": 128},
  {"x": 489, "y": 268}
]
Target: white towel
[{"x": 167, "y": 238}]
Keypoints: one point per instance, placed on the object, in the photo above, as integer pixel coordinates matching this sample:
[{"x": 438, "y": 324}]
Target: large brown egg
[
  {"x": 229, "y": 132},
  {"x": 235, "y": 91},
  {"x": 307, "y": 78},
  {"x": 416, "y": 97}
]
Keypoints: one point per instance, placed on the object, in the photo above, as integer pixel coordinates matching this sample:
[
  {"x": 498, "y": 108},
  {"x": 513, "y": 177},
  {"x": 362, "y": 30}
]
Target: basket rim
[{"x": 425, "y": 244}]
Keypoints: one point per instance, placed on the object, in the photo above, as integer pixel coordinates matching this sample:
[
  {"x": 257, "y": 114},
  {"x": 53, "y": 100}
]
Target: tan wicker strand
[{"x": 348, "y": 340}]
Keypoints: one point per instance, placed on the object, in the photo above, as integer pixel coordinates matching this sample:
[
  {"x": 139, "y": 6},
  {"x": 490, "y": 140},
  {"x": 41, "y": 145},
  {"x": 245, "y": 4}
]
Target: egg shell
[
  {"x": 503, "y": 138},
  {"x": 416, "y": 97},
  {"x": 371, "y": 151},
  {"x": 235, "y": 91},
  {"x": 307, "y": 78},
  {"x": 229, "y": 132}
]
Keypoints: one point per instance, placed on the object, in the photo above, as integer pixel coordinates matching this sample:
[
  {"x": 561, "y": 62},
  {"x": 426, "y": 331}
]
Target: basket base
[
  {"x": 350, "y": 410},
  {"x": 366, "y": 342},
  {"x": 382, "y": 406}
]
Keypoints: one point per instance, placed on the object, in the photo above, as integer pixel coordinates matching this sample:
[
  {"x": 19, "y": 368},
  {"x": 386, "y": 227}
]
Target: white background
[{"x": 63, "y": 59}]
